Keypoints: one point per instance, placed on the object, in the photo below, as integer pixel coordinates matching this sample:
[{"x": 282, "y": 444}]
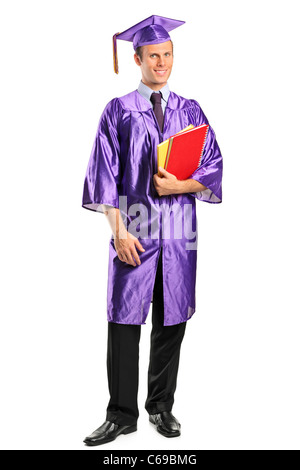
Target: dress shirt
[{"x": 146, "y": 92}]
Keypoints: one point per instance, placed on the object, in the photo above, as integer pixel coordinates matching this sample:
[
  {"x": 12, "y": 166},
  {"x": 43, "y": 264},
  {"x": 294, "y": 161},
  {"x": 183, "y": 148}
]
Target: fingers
[
  {"x": 156, "y": 179},
  {"x": 122, "y": 257},
  {"x": 139, "y": 245},
  {"x": 136, "y": 256},
  {"x": 129, "y": 259},
  {"x": 130, "y": 255},
  {"x": 126, "y": 257}
]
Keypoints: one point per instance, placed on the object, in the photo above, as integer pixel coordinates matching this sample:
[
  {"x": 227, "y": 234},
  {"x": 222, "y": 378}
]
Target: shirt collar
[{"x": 146, "y": 91}]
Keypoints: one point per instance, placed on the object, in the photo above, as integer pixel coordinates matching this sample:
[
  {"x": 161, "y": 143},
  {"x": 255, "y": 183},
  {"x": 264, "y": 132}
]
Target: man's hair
[{"x": 139, "y": 51}]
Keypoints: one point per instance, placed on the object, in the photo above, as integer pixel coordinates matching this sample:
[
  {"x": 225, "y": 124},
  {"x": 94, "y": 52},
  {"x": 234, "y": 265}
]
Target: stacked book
[{"x": 181, "y": 153}]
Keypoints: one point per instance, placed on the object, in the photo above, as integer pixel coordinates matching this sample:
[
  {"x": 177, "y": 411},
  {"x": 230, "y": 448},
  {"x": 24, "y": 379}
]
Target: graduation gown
[{"x": 120, "y": 173}]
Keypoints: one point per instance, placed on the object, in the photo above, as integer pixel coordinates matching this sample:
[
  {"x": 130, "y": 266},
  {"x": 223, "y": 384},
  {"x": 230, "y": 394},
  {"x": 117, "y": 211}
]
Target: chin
[{"x": 161, "y": 79}]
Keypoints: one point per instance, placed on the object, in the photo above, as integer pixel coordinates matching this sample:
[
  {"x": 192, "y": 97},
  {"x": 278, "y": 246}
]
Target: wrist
[
  {"x": 179, "y": 187},
  {"x": 121, "y": 233}
]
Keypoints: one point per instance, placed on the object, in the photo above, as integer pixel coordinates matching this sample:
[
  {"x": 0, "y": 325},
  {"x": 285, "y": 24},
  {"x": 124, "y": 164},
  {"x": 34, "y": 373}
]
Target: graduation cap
[{"x": 152, "y": 30}]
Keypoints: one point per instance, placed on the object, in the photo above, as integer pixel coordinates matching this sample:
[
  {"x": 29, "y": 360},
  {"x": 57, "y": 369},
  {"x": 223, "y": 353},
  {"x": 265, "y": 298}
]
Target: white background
[{"x": 238, "y": 383}]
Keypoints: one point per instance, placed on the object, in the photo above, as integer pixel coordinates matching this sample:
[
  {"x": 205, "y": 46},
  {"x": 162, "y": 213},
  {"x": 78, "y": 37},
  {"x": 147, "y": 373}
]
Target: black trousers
[{"x": 123, "y": 363}]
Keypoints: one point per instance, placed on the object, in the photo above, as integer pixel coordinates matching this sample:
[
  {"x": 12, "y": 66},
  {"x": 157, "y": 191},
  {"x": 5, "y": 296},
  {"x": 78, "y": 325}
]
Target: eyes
[{"x": 167, "y": 54}]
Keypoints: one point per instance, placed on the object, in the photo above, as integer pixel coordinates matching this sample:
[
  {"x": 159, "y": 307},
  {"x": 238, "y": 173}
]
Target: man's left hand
[{"x": 167, "y": 184}]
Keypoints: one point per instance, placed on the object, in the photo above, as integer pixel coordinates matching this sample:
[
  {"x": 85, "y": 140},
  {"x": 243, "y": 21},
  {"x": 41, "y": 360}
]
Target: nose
[{"x": 161, "y": 61}]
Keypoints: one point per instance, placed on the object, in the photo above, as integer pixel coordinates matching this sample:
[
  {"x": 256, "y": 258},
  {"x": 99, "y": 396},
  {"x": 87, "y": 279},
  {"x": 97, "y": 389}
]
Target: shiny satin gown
[{"x": 120, "y": 173}]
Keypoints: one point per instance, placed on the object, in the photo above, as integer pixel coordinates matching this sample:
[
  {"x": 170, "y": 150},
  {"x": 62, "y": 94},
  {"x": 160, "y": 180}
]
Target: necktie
[{"x": 155, "y": 99}]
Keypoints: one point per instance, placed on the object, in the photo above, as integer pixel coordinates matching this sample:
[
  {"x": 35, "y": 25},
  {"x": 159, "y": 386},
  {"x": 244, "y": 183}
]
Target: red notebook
[{"x": 185, "y": 151}]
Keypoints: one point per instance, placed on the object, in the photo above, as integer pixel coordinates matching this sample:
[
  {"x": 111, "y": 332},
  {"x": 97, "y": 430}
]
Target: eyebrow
[{"x": 150, "y": 53}]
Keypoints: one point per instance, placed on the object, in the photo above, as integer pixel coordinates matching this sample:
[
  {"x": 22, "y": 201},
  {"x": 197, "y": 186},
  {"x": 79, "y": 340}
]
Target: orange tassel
[{"x": 115, "y": 53}]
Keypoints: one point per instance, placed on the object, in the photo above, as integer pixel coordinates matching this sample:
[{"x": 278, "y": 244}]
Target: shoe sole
[
  {"x": 104, "y": 441},
  {"x": 174, "y": 434}
]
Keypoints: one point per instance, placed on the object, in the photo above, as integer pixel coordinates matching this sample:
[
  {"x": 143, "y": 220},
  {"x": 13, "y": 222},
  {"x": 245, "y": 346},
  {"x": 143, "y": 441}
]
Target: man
[{"x": 152, "y": 264}]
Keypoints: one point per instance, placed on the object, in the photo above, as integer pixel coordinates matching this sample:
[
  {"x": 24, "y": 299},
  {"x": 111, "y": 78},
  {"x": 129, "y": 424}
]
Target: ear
[{"x": 137, "y": 59}]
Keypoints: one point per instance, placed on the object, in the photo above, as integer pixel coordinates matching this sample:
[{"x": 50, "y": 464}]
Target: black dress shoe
[
  {"x": 166, "y": 424},
  {"x": 108, "y": 432}
]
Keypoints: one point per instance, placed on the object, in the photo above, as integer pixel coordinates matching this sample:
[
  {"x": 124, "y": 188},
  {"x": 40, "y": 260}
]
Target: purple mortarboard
[{"x": 152, "y": 30}]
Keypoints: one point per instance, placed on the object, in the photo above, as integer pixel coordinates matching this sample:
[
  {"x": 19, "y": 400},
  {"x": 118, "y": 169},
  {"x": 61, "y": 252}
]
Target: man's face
[{"x": 156, "y": 65}]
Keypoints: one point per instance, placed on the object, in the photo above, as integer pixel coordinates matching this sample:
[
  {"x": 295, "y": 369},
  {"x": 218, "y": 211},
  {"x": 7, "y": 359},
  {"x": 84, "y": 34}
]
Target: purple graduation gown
[{"x": 122, "y": 163}]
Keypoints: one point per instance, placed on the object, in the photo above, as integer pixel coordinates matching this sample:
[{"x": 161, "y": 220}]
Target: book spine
[
  {"x": 169, "y": 151},
  {"x": 203, "y": 146}
]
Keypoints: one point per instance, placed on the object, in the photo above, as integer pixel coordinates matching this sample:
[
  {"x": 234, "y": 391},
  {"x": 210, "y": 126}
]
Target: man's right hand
[{"x": 126, "y": 249}]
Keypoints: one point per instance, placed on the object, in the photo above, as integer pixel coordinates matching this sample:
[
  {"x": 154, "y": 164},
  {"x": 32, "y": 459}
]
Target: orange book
[{"x": 185, "y": 151}]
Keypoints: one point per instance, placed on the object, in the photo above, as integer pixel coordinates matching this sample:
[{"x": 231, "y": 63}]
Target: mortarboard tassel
[{"x": 115, "y": 54}]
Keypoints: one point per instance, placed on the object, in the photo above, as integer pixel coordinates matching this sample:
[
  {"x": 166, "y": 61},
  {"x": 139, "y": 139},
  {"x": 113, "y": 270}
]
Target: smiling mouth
[{"x": 160, "y": 72}]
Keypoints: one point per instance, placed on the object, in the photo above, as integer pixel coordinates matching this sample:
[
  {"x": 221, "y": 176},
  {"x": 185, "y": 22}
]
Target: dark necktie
[{"x": 155, "y": 99}]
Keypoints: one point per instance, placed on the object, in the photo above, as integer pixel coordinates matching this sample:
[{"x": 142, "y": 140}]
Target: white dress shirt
[{"x": 146, "y": 92}]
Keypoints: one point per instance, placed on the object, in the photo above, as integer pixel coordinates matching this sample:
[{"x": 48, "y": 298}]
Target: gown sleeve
[
  {"x": 103, "y": 174},
  {"x": 210, "y": 171}
]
